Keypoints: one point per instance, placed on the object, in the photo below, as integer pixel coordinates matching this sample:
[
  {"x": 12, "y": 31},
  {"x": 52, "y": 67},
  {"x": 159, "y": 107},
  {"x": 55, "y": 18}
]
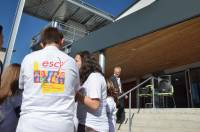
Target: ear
[
  {"x": 42, "y": 45},
  {"x": 62, "y": 41}
]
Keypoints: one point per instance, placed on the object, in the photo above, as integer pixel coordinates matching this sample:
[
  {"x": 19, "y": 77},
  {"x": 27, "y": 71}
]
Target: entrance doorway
[
  {"x": 179, "y": 82},
  {"x": 195, "y": 87}
]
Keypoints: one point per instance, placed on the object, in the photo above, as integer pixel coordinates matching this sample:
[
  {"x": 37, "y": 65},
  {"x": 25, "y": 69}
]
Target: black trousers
[{"x": 121, "y": 112}]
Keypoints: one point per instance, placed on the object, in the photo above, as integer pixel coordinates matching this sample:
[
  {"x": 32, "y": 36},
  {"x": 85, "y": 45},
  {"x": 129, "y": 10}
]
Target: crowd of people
[{"x": 52, "y": 92}]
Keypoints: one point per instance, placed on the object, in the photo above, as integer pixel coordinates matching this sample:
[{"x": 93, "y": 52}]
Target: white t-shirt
[
  {"x": 50, "y": 80},
  {"x": 111, "y": 112},
  {"x": 94, "y": 87}
]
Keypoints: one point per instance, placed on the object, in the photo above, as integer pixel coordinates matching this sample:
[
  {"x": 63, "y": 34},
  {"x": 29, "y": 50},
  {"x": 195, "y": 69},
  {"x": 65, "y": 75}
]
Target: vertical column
[
  {"x": 102, "y": 61},
  {"x": 14, "y": 33},
  {"x": 138, "y": 92},
  {"x": 153, "y": 92},
  {"x": 188, "y": 75},
  {"x": 129, "y": 115}
]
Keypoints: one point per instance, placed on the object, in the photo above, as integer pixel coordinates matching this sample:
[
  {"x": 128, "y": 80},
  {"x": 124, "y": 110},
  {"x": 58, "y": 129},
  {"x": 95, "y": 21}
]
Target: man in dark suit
[{"x": 115, "y": 78}]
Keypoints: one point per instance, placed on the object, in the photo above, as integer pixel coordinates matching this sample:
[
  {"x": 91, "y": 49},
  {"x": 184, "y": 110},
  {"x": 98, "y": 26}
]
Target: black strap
[{"x": 17, "y": 111}]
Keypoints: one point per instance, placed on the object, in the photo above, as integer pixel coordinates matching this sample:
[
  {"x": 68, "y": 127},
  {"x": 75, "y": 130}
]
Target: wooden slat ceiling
[{"x": 167, "y": 48}]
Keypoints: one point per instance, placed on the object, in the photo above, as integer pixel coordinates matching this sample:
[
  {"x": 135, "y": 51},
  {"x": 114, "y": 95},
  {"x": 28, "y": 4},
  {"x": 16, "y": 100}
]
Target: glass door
[
  {"x": 195, "y": 86},
  {"x": 179, "y": 82}
]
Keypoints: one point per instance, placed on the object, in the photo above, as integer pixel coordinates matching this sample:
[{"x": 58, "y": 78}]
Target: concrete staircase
[{"x": 163, "y": 120}]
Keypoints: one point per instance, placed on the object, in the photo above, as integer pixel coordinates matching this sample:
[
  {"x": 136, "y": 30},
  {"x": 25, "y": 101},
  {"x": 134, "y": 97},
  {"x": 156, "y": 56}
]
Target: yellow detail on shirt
[
  {"x": 35, "y": 66},
  {"x": 52, "y": 88}
]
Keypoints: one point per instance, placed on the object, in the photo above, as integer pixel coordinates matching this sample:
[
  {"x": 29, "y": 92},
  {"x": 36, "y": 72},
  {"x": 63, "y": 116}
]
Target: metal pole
[
  {"x": 102, "y": 61},
  {"x": 190, "y": 86},
  {"x": 129, "y": 112},
  {"x": 74, "y": 34},
  {"x": 132, "y": 89},
  {"x": 14, "y": 33},
  {"x": 153, "y": 92},
  {"x": 189, "y": 99},
  {"x": 138, "y": 93},
  {"x": 55, "y": 24}
]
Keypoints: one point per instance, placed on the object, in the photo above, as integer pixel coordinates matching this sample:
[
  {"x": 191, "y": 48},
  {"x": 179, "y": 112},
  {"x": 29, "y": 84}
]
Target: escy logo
[{"x": 52, "y": 64}]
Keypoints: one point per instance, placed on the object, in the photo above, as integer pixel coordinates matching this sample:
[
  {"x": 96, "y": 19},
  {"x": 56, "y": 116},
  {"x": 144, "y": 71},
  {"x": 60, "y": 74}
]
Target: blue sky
[{"x": 30, "y": 26}]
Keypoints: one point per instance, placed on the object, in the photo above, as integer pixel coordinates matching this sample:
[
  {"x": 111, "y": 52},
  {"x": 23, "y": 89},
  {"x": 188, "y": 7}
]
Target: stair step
[
  {"x": 167, "y": 124},
  {"x": 179, "y": 117},
  {"x": 163, "y": 110},
  {"x": 163, "y": 120},
  {"x": 142, "y": 129}
]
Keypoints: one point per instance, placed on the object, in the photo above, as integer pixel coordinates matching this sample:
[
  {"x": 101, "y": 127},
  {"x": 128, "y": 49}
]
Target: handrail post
[
  {"x": 130, "y": 112},
  {"x": 74, "y": 31},
  {"x": 129, "y": 92},
  {"x": 153, "y": 92},
  {"x": 138, "y": 93}
]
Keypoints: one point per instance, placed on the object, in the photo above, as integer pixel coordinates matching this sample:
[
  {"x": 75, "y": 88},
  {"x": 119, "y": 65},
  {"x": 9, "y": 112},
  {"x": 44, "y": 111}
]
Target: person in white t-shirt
[
  {"x": 111, "y": 105},
  {"x": 50, "y": 80},
  {"x": 91, "y": 111}
]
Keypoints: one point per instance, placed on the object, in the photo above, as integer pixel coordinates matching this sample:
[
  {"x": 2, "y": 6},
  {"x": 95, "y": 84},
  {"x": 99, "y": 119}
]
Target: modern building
[
  {"x": 152, "y": 40},
  {"x": 162, "y": 38},
  {"x": 150, "y": 37}
]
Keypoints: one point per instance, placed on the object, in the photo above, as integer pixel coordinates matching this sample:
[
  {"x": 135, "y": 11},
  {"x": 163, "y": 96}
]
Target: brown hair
[
  {"x": 51, "y": 35},
  {"x": 9, "y": 81},
  {"x": 111, "y": 90},
  {"x": 88, "y": 66}
]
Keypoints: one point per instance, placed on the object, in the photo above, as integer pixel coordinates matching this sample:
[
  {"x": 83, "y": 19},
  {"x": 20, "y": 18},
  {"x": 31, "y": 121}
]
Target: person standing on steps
[{"x": 115, "y": 78}]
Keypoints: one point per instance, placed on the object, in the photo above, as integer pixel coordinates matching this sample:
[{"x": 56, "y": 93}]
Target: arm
[
  {"x": 21, "y": 76},
  {"x": 89, "y": 102},
  {"x": 110, "y": 105},
  {"x": 77, "y": 80},
  {"x": 93, "y": 91},
  {"x": 4, "y": 93}
]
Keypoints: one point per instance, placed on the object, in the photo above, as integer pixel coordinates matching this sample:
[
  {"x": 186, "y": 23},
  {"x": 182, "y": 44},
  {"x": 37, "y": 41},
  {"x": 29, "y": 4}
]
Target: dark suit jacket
[{"x": 115, "y": 83}]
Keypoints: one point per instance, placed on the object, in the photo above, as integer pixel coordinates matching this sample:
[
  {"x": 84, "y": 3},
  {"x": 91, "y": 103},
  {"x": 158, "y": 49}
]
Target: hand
[
  {"x": 89, "y": 102},
  {"x": 126, "y": 97},
  {"x": 78, "y": 96}
]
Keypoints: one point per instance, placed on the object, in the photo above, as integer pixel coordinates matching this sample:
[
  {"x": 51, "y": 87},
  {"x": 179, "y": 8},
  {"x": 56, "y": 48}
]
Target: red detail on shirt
[{"x": 52, "y": 64}]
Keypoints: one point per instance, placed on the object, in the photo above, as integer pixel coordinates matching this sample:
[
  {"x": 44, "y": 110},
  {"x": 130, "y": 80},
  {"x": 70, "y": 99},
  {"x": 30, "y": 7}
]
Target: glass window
[{"x": 180, "y": 92}]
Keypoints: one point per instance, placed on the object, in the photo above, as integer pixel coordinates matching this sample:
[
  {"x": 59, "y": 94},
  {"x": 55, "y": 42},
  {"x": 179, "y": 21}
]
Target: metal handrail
[
  {"x": 133, "y": 89},
  {"x": 70, "y": 32},
  {"x": 70, "y": 26}
]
